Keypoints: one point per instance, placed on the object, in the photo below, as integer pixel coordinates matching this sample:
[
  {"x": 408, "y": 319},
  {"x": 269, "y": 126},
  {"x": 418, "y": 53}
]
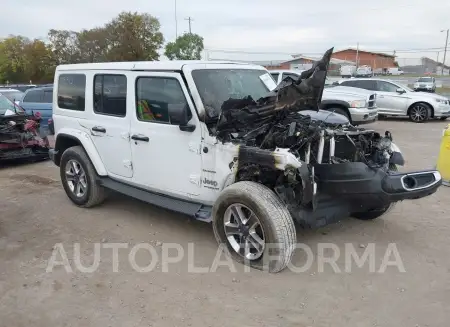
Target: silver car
[
  {"x": 394, "y": 99},
  {"x": 425, "y": 84},
  {"x": 357, "y": 105}
]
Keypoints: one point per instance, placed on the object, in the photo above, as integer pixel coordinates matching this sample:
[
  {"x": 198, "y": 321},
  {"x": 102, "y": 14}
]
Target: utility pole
[
  {"x": 357, "y": 55},
  {"x": 445, "y": 52},
  {"x": 189, "y": 19},
  {"x": 176, "y": 21}
]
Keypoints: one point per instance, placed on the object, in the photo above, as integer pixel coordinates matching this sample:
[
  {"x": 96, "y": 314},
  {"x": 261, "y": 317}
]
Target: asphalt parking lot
[{"x": 35, "y": 215}]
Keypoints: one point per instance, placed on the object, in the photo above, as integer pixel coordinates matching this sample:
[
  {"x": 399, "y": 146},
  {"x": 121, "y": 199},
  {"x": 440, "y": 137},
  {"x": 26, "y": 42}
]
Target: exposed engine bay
[
  {"x": 341, "y": 169},
  {"x": 275, "y": 122},
  {"x": 20, "y": 139}
]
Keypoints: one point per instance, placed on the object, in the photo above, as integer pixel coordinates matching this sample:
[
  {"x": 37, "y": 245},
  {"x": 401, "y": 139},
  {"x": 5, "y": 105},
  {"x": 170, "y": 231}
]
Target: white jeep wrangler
[{"x": 221, "y": 143}]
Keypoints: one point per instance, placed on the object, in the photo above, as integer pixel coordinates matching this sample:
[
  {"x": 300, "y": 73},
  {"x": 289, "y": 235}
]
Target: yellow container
[{"x": 443, "y": 163}]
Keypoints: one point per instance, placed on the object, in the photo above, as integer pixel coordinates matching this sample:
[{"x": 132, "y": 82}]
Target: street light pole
[
  {"x": 176, "y": 21},
  {"x": 445, "y": 51}
]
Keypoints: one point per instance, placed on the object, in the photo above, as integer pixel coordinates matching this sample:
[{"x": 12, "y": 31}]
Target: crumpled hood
[{"x": 305, "y": 93}]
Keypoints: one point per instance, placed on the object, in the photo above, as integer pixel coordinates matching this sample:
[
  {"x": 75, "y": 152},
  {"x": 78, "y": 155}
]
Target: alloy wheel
[
  {"x": 244, "y": 231},
  {"x": 419, "y": 113},
  {"x": 76, "y": 178}
]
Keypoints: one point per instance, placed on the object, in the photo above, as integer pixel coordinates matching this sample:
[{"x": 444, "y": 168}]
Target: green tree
[
  {"x": 12, "y": 60},
  {"x": 92, "y": 45},
  {"x": 134, "y": 36},
  {"x": 64, "y": 46},
  {"x": 186, "y": 47},
  {"x": 39, "y": 62}
]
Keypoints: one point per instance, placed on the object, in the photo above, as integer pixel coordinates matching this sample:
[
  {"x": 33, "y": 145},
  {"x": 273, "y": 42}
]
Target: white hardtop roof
[
  {"x": 150, "y": 65},
  {"x": 295, "y": 71}
]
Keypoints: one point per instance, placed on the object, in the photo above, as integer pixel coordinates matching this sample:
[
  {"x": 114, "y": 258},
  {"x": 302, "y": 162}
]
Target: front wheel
[
  {"x": 419, "y": 113},
  {"x": 254, "y": 226},
  {"x": 79, "y": 178}
]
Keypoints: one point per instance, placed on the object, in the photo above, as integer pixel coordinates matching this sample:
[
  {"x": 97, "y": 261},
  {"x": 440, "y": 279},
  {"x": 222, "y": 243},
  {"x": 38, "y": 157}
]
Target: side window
[
  {"x": 33, "y": 96},
  {"x": 349, "y": 83},
  {"x": 275, "y": 76},
  {"x": 386, "y": 87},
  {"x": 110, "y": 95},
  {"x": 366, "y": 84},
  {"x": 154, "y": 96},
  {"x": 48, "y": 96},
  {"x": 71, "y": 91}
]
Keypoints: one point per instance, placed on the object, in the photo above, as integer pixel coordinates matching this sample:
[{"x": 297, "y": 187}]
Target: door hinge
[
  {"x": 194, "y": 147},
  {"x": 195, "y": 179}
]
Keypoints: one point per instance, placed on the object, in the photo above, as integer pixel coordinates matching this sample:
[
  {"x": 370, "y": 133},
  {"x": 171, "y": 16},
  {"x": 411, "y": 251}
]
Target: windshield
[
  {"x": 13, "y": 96},
  {"x": 425, "y": 79},
  {"x": 6, "y": 104},
  {"x": 216, "y": 86}
]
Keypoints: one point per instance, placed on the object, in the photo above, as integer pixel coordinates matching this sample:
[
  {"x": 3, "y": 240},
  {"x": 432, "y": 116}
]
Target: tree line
[{"x": 130, "y": 36}]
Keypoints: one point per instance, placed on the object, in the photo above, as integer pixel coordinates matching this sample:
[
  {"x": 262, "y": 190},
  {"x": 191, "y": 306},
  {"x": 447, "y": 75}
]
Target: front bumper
[
  {"x": 366, "y": 189},
  {"x": 361, "y": 116},
  {"x": 442, "y": 111}
]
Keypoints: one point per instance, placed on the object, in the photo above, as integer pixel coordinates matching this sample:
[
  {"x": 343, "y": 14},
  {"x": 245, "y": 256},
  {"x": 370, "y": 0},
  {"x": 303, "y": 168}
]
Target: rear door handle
[
  {"x": 99, "y": 129},
  {"x": 140, "y": 137}
]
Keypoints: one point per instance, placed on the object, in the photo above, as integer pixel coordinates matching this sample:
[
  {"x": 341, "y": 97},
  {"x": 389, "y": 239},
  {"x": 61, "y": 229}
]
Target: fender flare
[
  {"x": 86, "y": 142},
  {"x": 326, "y": 103}
]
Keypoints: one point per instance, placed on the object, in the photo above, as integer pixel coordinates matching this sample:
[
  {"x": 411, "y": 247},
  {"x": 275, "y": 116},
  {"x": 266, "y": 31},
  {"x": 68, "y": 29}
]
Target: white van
[
  {"x": 394, "y": 71},
  {"x": 364, "y": 71},
  {"x": 347, "y": 71}
]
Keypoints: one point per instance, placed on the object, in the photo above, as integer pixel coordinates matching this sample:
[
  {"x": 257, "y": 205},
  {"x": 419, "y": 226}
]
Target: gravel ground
[{"x": 35, "y": 214}]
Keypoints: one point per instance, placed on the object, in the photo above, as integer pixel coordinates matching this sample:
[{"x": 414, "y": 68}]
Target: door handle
[
  {"x": 381, "y": 96},
  {"x": 99, "y": 129},
  {"x": 140, "y": 137}
]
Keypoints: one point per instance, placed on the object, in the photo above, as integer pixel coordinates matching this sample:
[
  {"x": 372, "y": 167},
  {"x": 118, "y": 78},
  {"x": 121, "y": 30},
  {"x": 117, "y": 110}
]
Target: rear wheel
[
  {"x": 254, "y": 226},
  {"x": 420, "y": 112},
  {"x": 373, "y": 214}
]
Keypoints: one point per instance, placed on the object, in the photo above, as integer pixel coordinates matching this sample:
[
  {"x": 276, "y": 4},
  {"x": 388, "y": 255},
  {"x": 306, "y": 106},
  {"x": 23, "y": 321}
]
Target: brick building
[
  {"x": 300, "y": 62},
  {"x": 372, "y": 59}
]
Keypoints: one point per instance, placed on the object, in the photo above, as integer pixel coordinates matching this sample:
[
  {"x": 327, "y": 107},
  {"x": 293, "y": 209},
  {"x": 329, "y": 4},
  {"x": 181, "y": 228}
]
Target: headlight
[
  {"x": 358, "y": 104},
  {"x": 416, "y": 85},
  {"x": 442, "y": 101}
]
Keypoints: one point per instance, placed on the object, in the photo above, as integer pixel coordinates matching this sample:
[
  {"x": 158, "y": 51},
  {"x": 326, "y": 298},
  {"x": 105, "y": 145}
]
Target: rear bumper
[{"x": 367, "y": 189}]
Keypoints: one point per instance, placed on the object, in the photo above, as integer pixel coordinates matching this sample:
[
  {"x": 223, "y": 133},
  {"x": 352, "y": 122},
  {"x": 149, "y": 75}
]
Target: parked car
[
  {"x": 18, "y": 133},
  {"x": 347, "y": 71},
  {"x": 39, "y": 99},
  {"x": 426, "y": 83},
  {"x": 364, "y": 71},
  {"x": 217, "y": 141},
  {"x": 358, "y": 106},
  {"x": 20, "y": 87},
  {"x": 394, "y": 71},
  {"x": 394, "y": 99},
  {"x": 12, "y": 94}
]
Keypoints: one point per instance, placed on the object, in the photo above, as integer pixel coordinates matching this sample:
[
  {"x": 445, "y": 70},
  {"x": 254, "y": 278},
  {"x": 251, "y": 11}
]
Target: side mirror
[
  {"x": 179, "y": 115},
  {"x": 400, "y": 90}
]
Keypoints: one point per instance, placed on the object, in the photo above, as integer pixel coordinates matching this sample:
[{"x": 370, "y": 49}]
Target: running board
[{"x": 197, "y": 210}]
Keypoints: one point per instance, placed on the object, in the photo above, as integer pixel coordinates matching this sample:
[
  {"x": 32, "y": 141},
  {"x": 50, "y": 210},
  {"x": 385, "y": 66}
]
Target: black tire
[
  {"x": 443, "y": 118},
  {"x": 371, "y": 215},
  {"x": 95, "y": 193},
  {"x": 419, "y": 112},
  {"x": 275, "y": 220}
]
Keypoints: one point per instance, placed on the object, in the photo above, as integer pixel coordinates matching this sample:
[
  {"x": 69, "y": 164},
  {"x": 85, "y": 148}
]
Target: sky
[{"x": 257, "y": 29}]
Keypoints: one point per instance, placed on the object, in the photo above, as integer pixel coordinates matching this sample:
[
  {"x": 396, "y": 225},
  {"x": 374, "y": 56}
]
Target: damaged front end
[
  {"x": 335, "y": 170},
  {"x": 19, "y": 137}
]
